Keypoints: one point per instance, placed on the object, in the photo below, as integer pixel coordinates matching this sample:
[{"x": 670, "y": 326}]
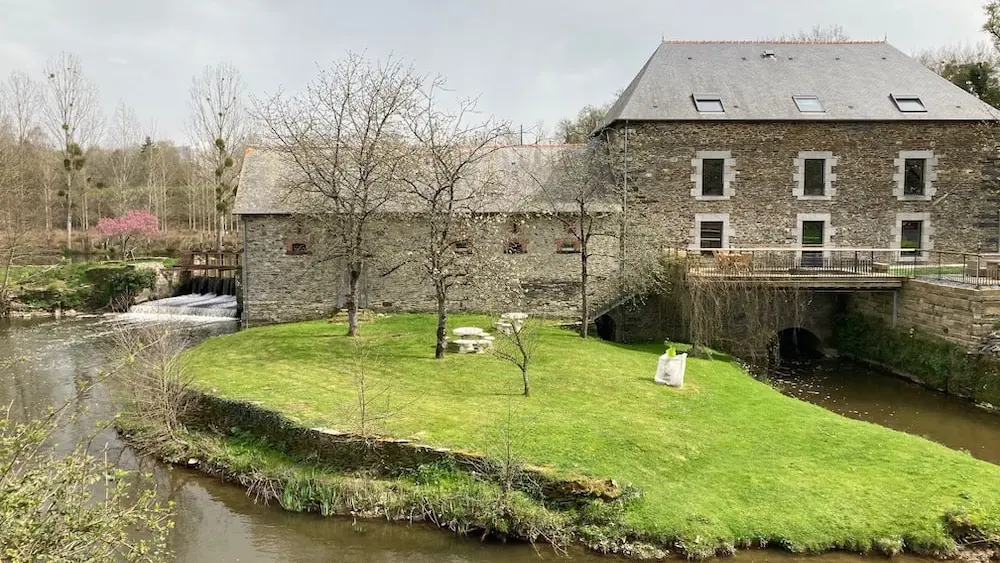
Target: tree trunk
[
  {"x": 442, "y": 326},
  {"x": 69, "y": 210},
  {"x": 352, "y": 300},
  {"x": 584, "y": 299},
  {"x": 524, "y": 378},
  {"x": 218, "y": 233}
]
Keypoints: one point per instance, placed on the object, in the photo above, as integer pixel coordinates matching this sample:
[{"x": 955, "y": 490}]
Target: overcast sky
[{"x": 529, "y": 60}]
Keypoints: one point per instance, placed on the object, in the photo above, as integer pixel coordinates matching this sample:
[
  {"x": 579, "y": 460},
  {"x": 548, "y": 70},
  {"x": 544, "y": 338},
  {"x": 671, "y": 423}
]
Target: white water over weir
[{"x": 195, "y": 305}]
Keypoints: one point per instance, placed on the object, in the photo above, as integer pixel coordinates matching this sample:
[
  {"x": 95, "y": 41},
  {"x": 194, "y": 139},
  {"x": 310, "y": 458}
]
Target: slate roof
[
  {"x": 854, "y": 81},
  {"x": 517, "y": 175}
]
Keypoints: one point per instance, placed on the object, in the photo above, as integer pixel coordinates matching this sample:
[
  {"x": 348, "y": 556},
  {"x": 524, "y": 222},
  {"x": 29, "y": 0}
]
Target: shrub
[{"x": 117, "y": 286}]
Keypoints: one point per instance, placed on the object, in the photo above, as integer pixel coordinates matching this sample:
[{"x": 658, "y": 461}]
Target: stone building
[
  {"x": 714, "y": 145},
  {"x": 291, "y": 270},
  {"x": 851, "y": 145}
]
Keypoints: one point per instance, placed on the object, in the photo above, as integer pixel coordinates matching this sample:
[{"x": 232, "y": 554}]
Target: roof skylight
[
  {"x": 708, "y": 103},
  {"x": 809, "y": 104},
  {"x": 908, "y": 103}
]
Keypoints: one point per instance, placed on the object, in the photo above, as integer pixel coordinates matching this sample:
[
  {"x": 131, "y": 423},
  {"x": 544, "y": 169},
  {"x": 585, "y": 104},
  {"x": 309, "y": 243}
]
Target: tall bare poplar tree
[
  {"x": 219, "y": 126},
  {"x": 124, "y": 138},
  {"x": 346, "y": 139},
  {"x": 447, "y": 187},
  {"x": 20, "y": 105},
  {"x": 73, "y": 115}
]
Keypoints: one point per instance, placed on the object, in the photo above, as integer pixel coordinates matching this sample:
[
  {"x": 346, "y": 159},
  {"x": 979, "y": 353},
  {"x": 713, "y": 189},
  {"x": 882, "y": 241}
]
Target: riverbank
[
  {"x": 726, "y": 462},
  {"x": 52, "y": 290}
]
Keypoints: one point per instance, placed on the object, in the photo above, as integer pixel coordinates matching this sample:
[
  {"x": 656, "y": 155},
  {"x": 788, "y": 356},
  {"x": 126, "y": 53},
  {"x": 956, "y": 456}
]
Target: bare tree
[
  {"x": 516, "y": 342},
  {"x": 448, "y": 182},
  {"x": 219, "y": 126},
  {"x": 834, "y": 33},
  {"x": 124, "y": 137},
  {"x": 346, "y": 139},
  {"x": 15, "y": 201},
  {"x": 73, "y": 116},
  {"x": 21, "y": 102},
  {"x": 579, "y": 192}
]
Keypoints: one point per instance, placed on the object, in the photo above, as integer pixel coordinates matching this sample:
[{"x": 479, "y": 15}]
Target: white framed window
[
  {"x": 814, "y": 230},
  {"x": 916, "y": 176},
  {"x": 714, "y": 174},
  {"x": 814, "y": 177},
  {"x": 711, "y": 232},
  {"x": 913, "y": 235}
]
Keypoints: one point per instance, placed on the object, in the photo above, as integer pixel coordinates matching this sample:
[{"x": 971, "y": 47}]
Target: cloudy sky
[{"x": 529, "y": 60}]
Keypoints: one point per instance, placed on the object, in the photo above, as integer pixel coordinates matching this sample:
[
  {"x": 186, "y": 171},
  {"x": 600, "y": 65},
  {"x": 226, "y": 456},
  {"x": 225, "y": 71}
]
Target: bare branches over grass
[{"x": 151, "y": 387}]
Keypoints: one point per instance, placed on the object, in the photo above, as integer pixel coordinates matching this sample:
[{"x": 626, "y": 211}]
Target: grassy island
[{"x": 726, "y": 460}]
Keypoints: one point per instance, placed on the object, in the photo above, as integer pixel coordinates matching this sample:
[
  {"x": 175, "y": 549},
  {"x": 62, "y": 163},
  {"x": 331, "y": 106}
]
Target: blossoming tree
[{"x": 124, "y": 229}]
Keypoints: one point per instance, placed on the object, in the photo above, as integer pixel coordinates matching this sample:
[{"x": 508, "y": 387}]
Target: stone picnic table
[{"x": 471, "y": 340}]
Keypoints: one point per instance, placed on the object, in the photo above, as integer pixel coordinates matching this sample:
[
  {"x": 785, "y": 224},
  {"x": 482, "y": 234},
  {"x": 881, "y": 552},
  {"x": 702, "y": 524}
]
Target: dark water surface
[
  {"x": 43, "y": 362},
  {"x": 857, "y": 391}
]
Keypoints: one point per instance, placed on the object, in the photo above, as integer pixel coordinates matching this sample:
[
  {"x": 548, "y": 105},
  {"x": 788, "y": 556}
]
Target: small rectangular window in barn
[
  {"x": 297, "y": 247},
  {"x": 462, "y": 247},
  {"x": 568, "y": 246},
  {"x": 515, "y": 247}
]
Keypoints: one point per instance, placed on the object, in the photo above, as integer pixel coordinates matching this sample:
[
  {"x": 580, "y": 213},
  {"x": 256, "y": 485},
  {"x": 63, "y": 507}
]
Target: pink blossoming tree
[{"x": 135, "y": 223}]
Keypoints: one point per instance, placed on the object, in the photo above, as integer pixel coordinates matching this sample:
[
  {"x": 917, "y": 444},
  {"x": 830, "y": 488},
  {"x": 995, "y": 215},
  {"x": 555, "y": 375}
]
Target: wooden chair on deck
[{"x": 732, "y": 262}]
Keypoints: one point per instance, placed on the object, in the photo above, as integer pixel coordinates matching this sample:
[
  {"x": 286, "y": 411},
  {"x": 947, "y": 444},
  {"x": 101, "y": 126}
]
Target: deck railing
[{"x": 820, "y": 262}]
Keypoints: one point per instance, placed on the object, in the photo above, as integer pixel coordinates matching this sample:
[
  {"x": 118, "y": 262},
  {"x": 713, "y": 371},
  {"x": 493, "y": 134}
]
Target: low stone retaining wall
[{"x": 349, "y": 452}]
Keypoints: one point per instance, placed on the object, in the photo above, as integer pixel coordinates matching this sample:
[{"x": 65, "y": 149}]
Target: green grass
[{"x": 726, "y": 459}]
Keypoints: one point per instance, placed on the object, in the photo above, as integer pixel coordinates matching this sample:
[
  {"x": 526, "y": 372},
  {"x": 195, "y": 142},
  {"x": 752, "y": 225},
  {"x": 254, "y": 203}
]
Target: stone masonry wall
[
  {"x": 279, "y": 287},
  {"x": 962, "y": 315},
  {"x": 763, "y": 207}
]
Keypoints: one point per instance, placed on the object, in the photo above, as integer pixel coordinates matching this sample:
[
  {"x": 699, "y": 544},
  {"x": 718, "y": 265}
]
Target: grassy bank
[
  {"x": 84, "y": 285},
  {"x": 725, "y": 461}
]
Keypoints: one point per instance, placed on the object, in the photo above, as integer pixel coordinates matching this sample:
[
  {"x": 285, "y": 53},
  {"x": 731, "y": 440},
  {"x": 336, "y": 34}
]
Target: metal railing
[{"x": 820, "y": 262}]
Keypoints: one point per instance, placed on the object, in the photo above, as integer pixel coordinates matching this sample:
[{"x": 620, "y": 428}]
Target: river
[{"x": 43, "y": 361}]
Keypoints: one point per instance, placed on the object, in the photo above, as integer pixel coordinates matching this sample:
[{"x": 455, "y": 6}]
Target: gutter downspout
[{"x": 241, "y": 300}]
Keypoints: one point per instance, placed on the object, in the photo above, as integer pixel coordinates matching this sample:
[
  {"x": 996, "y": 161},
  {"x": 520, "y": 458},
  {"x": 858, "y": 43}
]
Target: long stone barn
[{"x": 292, "y": 271}]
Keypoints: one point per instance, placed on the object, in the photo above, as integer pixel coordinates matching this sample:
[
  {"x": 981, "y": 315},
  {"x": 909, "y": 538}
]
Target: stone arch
[
  {"x": 797, "y": 342},
  {"x": 606, "y": 327}
]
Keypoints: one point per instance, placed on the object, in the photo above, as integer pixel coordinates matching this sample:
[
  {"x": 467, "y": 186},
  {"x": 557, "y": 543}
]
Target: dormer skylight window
[
  {"x": 809, "y": 104},
  {"x": 769, "y": 55},
  {"x": 709, "y": 103},
  {"x": 908, "y": 103}
]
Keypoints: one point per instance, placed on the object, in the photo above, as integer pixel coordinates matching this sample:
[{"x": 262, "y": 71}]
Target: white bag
[{"x": 670, "y": 370}]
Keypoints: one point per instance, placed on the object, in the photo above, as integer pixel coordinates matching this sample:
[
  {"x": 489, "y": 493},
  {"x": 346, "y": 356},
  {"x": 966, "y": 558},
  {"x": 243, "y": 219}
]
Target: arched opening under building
[
  {"x": 798, "y": 344},
  {"x": 605, "y": 327}
]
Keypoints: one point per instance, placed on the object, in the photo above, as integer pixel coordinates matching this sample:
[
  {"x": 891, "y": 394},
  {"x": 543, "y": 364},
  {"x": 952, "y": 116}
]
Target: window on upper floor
[
  {"x": 708, "y": 103},
  {"x": 809, "y": 104},
  {"x": 908, "y": 103},
  {"x": 297, "y": 247},
  {"x": 914, "y": 176},
  {"x": 713, "y": 177},
  {"x": 814, "y": 181}
]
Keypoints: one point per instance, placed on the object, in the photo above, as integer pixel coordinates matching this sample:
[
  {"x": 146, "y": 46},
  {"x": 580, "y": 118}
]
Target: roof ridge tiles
[{"x": 776, "y": 42}]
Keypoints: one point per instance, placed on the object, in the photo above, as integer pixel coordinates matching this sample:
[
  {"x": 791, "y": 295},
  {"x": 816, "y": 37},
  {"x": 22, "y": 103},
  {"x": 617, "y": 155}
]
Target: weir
[
  {"x": 195, "y": 304},
  {"x": 208, "y": 289}
]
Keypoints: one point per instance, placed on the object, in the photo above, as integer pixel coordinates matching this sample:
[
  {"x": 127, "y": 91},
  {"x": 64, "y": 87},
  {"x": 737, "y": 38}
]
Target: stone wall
[
  {"x": 659, "y": 318},
  {"x": 962, "y": 315},
  {"x": 763, "y": 207},
  {"x": 282, "y": 287}
]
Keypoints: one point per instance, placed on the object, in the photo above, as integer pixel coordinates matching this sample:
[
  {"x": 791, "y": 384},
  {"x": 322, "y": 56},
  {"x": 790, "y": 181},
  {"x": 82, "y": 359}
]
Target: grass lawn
[{"x": 724, "y": 459}]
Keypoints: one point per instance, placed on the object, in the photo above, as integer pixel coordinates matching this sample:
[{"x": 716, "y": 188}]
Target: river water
[{"x": 42, "y": 362}]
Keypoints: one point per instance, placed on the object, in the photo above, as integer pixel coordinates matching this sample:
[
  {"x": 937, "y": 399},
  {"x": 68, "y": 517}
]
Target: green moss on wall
[{"x": 934, "y": 361}]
